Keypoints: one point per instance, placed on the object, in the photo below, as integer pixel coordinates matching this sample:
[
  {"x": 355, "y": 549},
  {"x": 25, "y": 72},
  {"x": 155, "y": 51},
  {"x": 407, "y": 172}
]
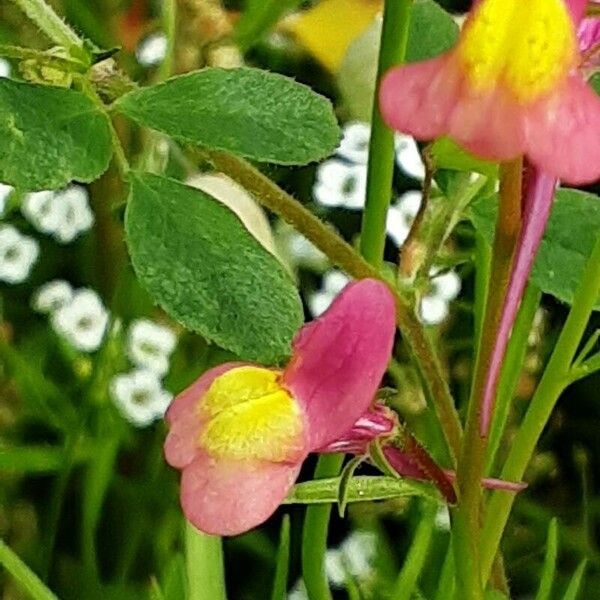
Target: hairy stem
[
  {"x": 50, "y": 23},
  {"x": 471, "y": 464},
  {"x": 555, "y": 379}
]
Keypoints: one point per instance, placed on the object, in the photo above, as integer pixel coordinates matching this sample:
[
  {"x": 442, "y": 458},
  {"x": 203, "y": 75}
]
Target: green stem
[
  {"x": 50, "y": 23},
  {"x": 314, "y": 534},
  {"x": 394, "y": 39},
  {"x": 413, "y": 565},
  {"x": 344, "y": 256},
  {"x": 204, "y": 565},
  {"x": 511, "y": 370},
  {"x": 472, "y": 458},
  {"x": 556, "y": 377},
  {"x": 23, "y": 575},
  {"x": 169, "y": 19}
]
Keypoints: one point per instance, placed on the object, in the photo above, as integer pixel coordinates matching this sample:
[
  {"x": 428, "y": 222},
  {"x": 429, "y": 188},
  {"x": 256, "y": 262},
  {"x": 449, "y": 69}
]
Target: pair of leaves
[
  {"x": 192, "y": 253},
  {"x": 568, "y": 241}
]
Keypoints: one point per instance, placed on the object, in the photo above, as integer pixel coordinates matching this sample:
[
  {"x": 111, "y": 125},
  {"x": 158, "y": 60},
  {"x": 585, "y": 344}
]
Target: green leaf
[
  {"x": 258, "y": 18},
  {"x": 25, "y": 578},
  {"x": 573, "y": 590},
  {"x": 249, "y": 112},
  {"x": 570, "y": 236},
  {"x": 549, "y": 568},
  {"x": 360, "y": 489},
  {"x": 38, "y": 459},
  {"x": 449, "y": 155},
  {"x": 345, "y": 479},
  {"x": 432, "y": 32},
  {"x": 202, "y": 266},
  {"x": 282, "y": 564},
  {"x": 50, "y": 136}
]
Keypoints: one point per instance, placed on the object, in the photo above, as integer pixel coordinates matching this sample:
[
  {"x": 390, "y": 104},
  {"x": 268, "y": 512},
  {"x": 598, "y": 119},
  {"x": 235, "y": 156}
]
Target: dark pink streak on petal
[
  {"x": 405, "y": 466},
  {"x": 184, "y": 419},
  {"x": 228, "y": 497},
  {"x": 340, "y": 358},
  {"x": 588, "y": 35},
  {"x": 378, "y": 421},
  {"x": 538, "y": 197},
  {"x": 577, "y": 9}
]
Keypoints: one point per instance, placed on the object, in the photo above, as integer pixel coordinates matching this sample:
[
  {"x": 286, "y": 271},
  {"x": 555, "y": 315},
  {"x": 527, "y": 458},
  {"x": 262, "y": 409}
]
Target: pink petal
[
  {"x": 488, "y": 124},
  {"x": 577, "y": 9},
  {"x": 340, "y": 358},
  {"x": 432, "y": 98},
  {"x": 563, "y": 133},
  {"x": 225, "y": 497},
  {"x": 418, "y": 99},
  {"x": 184, "y": 420}
]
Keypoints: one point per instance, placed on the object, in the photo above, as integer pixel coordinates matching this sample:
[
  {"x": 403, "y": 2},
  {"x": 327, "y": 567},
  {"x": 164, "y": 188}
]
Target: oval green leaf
[
  {"x": 249, "y": 112},
  {"x": 50, "y": 137},
  {"x": 198, "y": 261}
]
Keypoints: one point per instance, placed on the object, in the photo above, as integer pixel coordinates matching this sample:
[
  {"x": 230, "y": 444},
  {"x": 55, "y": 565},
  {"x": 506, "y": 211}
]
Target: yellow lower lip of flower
[
  {"x": 250, "y": 416},
  {"x": 529, "y": 46}
]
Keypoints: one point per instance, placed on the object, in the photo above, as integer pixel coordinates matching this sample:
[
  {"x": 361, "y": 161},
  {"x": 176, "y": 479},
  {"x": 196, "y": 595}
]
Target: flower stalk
[
  {"x": 50, "y": 23},
  {"x": 394, "y": 40},
  {"x": 472, "y": 459}
]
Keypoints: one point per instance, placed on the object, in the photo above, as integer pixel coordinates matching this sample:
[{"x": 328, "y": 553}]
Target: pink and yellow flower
[
  {"x": 510, "y": 87},
  {"x": 240, "y": 433}
]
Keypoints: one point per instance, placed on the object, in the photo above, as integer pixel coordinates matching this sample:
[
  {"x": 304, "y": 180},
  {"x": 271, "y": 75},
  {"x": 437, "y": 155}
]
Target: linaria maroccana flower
[
  {"x": 538, "y": 195},
  {"x": 241, "y": 432},
  {"x": 509, "y": 88}
]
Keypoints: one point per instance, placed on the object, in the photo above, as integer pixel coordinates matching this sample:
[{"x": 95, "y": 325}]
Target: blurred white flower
[
  {"x": 442, "y": 519},
  {"x": 340, "y": 184},
  {"x": 77, "y": 214},
  {"x": 41, "y": 211},
  {"x": 354, "y": 557},
  {"x": 401, "y": 216},
  {"x": 63, "y": 215},
  {"x": 408, "y": 157},
  {"x": 5, "y": 68},
  {"x": 359, "y": 550},
  {"x": 434, "y": 306},
  {"x": 298, "y": 592},
  {"x": 18, "y": 254},
  {"x": 52, "y": 295},
  {"x": 152, "y": 49},
  {"x": 334, "y": 567},
  {"x": 298, "y": 251},
  {"x": 140, "y": 397},
  {"x": 83, "y": 321},
  {"x": 149, "y": 345},
  {"x": 355, "y": 142},
  {"x": 5, "y": 192},
  {"x": 334, "y": 282}
]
